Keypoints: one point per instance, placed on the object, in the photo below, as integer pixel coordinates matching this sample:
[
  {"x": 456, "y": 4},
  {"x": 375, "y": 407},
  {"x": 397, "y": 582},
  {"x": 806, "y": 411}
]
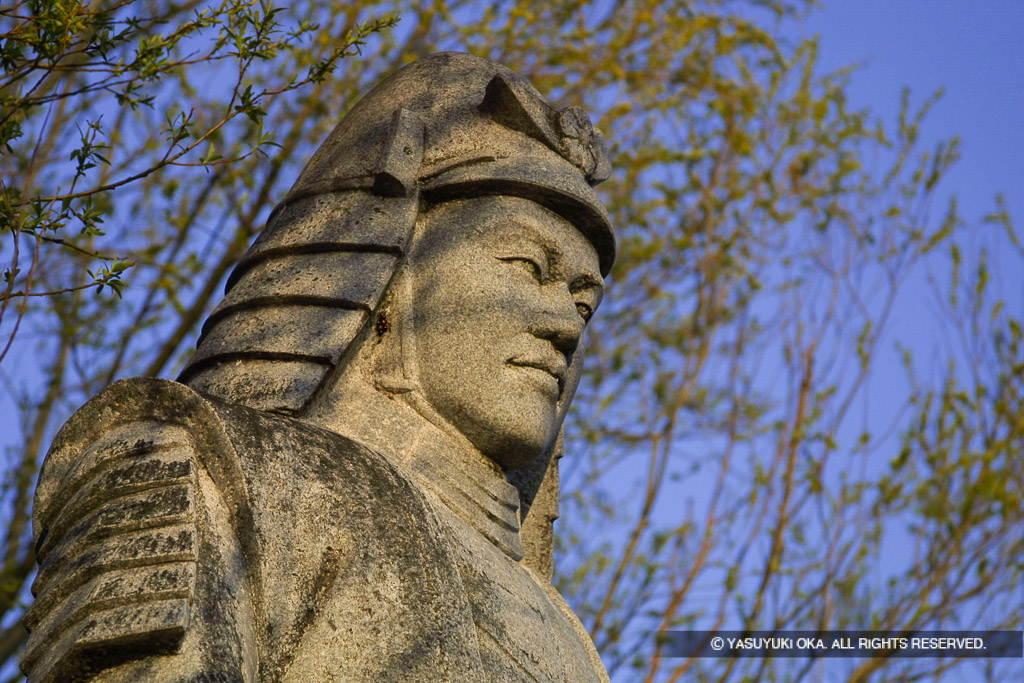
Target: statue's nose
[{"x": 561, "y": 325}]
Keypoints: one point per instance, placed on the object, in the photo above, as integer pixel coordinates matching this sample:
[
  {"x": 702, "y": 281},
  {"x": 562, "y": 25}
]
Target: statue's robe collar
[{"x": 476, "y": 492}]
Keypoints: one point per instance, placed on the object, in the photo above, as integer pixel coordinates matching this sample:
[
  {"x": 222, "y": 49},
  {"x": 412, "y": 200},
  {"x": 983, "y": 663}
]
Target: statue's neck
[{"x": 468, "y": 483}]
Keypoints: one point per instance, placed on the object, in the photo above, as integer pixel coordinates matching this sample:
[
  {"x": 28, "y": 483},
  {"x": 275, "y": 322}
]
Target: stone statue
[{"x": 356, "y": 476}]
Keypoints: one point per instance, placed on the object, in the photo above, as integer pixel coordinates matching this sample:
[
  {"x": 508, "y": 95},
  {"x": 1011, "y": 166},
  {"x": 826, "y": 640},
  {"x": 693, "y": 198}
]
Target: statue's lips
[{"x": 555, "y": 367}]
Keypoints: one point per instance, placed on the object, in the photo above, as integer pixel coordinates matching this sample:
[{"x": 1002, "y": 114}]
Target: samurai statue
[{"x": 355, "y": 476}]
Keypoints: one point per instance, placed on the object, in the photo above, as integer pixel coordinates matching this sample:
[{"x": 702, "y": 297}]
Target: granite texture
[{"x": 356, "y": 475}]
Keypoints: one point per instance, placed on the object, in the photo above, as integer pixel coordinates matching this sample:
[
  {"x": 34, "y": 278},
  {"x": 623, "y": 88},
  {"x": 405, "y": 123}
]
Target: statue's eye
[
  {"x": 585, "y": 311},
  {"x": 527, "y": 264}
]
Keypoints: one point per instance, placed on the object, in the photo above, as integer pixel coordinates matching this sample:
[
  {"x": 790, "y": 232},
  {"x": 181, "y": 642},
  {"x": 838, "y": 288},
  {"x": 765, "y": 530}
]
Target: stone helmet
[{"x": 449, "y": 126}]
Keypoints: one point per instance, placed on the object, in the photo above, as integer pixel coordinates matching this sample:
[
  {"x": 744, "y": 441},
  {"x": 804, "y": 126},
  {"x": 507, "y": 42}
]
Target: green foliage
[
  {"x": 122, "y": 129},
  {"x": 726, "y": 464},
  {"x": 67, "y": 62}
]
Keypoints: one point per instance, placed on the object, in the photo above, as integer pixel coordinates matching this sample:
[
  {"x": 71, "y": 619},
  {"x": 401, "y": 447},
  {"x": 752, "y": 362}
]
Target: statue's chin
[
  {"x": 514, "y": 450},
  {"x": 517, "y": 459}
]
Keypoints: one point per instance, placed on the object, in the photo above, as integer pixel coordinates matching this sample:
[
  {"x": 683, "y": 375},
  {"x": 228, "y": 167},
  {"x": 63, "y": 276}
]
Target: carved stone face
[{"x": 502, "y": 290}]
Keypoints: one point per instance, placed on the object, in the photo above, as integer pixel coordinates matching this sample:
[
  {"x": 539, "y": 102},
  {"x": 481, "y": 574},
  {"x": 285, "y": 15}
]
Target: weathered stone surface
[
  {"x": 281, "y": 386},
  {"x": 313, "y": 329},
  {"x": 337, "y": 221},
  {"x": 357, "y": 477},
  {"x": 302, "y": 275}
]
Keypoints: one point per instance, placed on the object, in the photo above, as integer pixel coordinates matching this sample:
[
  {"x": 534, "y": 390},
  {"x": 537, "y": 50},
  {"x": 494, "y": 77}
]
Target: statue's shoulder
[
  {"x": 158, "y": 506},
  {"x": 117, "y": 530},
  {"x": 235, "y": 444},
  {"x": 135, "y": 415}
]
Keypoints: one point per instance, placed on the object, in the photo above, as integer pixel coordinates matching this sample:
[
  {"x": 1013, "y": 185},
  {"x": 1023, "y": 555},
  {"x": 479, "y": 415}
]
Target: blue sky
[{"x": 972, "y": 48}]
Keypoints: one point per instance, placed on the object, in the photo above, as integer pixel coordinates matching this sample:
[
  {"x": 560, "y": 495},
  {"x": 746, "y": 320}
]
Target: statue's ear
[
  {"x": 539, "y": 491},
  {"x": 394, "y": 364}
]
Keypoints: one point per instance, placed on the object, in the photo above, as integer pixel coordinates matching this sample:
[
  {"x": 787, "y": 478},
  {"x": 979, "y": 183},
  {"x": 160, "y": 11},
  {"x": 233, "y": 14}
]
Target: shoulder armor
[{"x": 116, "y": 532}]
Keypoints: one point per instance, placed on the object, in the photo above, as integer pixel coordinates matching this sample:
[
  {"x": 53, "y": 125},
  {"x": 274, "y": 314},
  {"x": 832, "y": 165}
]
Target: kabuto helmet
[{"x": 450, "y": 126}]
